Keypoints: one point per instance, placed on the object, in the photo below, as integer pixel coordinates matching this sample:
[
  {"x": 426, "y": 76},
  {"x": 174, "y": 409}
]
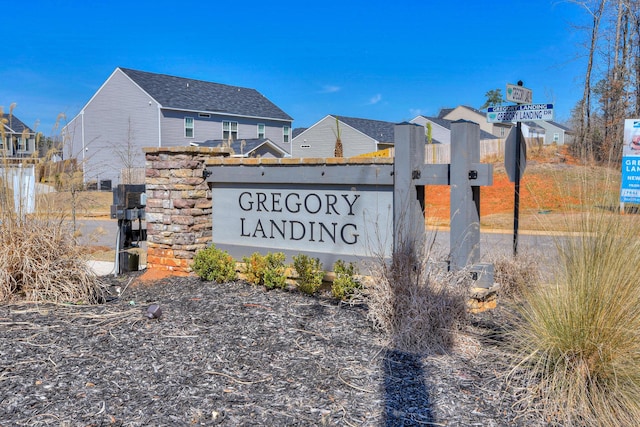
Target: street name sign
[
  {"x": 519, "y": 94},
  {"x": 519, "y": 113}
]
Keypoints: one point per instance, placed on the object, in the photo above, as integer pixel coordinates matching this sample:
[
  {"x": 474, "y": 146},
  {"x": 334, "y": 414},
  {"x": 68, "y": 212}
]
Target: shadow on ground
[{"x": 406, "y": 399}]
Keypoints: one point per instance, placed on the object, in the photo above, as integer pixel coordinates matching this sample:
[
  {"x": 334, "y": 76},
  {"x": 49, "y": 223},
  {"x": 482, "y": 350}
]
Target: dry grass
[
  {"x": 415, "y": 304},
  {"x": 40, "y": 259},
  {"x": 579, "y": 339},
  {"x": 93, "y": 204}
]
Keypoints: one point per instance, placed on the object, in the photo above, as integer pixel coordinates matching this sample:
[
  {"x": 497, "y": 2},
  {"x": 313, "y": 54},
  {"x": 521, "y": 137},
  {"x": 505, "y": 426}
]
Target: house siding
[
  {"x": 501, "y": 130},
  {"x": 438, "y": 133},
  {"x": 207, "y": 128},
  {"x": 321, "y": 139},
  {"x": 550, "y": 129},
  {"x": 123, "y": 119}
]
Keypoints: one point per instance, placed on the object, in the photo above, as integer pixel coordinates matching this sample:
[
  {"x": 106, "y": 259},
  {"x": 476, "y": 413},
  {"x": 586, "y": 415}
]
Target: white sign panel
[
  {"x": 519, "y": 94},
  {"x": 520, "y": 113},
  {"x": 336, "y": 220},
  {"x": 630, "y": 184}
]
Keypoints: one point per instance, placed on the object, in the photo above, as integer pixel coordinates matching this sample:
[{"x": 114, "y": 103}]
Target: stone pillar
[{"x": 178, "y": 211}]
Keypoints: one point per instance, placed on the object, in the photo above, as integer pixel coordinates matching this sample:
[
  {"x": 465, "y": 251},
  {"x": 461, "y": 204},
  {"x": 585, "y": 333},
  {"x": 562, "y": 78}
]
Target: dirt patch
[
  {"x": 548, "y": 193},
  {"x": 152, "y": 275}
]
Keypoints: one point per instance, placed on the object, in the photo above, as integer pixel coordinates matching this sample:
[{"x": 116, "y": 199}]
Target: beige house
[{"x": 463, "y": 112}]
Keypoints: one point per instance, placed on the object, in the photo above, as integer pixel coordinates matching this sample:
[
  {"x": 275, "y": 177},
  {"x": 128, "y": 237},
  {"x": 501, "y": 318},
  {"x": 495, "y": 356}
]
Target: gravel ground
[{"x": 234, "y": 354}]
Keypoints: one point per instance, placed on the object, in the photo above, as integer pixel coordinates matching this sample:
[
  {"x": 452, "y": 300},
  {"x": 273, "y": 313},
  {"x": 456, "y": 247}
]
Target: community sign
[{"x": 630, "y": 186}]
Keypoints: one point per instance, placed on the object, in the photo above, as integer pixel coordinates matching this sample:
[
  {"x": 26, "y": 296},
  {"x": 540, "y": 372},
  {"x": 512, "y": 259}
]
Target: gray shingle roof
[
  {"x": 376, "y": 129},
  {"x": 447, "y": 125},
  {"x": 561, "y": 126},
  {"x": 297, "y": 131},
  {"x": 444, "y": 111},
  {"x": 250, "y": 144},
  {"x": 14, "y": 124},
  {"x": 197, "y": 95}
]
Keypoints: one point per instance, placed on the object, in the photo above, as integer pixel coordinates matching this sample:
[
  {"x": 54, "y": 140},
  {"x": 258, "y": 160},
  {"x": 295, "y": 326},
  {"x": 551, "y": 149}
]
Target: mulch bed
[{"x": 235, "y": 354}]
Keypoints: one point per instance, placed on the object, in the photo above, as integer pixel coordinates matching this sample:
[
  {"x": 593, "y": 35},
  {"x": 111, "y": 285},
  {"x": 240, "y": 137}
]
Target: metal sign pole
[{"x": 516, "y": 201}]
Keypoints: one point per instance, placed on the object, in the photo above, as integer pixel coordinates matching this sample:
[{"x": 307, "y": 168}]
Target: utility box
[{"x": 129, "y": 201}]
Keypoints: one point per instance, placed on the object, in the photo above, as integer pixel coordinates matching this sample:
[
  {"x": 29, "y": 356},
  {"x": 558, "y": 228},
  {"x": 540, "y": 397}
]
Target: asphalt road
[{"x": 103, "y": 232}]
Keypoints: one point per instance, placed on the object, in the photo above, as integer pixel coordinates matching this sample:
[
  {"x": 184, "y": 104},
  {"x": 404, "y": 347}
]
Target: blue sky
[{"x": 383, "y": 60}]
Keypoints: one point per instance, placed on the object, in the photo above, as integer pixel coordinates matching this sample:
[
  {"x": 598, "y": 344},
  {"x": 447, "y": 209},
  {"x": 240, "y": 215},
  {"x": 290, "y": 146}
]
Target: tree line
[{"x": 611, "y": 89}]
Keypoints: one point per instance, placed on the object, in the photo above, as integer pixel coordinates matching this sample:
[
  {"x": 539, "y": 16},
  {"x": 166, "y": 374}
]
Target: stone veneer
[
  {"x": 179, "y": 205},
  {"x": 178, "y": 211}
]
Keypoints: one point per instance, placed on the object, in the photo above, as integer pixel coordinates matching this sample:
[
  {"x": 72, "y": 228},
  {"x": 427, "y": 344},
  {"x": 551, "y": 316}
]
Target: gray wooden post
[
  {"x": 467, "y": 174},
  {"x": 408, "y": 199},
  {"x": 465, "y": 196}
]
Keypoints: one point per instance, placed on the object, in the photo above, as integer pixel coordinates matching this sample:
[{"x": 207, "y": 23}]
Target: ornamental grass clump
[
  {"x": 579, "y": 339},
  {"x": 215, "y": 265}
]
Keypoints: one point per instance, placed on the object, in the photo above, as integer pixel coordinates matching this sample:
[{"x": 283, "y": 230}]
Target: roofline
[
  {"x": 269, "y": 142},
  {"x": 430, "y": 120},
  {"x": 311, "y": 127},
  {"x": 203, "y": 81},
  {"x": 377, "y": 141},
  {"x": 160, "y": 105},
  {"x": 100, "y": 89},
  {"x": 224, "y": 114}
]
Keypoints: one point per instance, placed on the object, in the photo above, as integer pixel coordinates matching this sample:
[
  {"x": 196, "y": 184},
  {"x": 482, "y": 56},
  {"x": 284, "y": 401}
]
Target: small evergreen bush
[
  {"x": 267, "y": 270},
  {"x": 254, "y": 268},
  {"x": 275, "y": 274},
  {"x": 214, "y": 265},
  {"x": 309, "y": 272},
  {"x": 344, "y": 284}
]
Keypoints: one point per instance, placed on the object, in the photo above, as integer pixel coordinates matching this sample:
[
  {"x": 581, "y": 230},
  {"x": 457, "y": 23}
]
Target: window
[
  {"x": 556, "y": 137},
  {"x": 188, "y": 127},
  {"x": 261, "y": 130},
  {"x": 285, "y": 133},
  {"x": 229, "y": 131},
  {"x": 21, "y": 144}
]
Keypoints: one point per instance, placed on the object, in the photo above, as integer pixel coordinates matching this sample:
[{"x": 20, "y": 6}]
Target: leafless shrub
[
  {"x": 40, "y": 260},
  {"x": 419, "y": 306},
  {"x": 516, "y": 274}
]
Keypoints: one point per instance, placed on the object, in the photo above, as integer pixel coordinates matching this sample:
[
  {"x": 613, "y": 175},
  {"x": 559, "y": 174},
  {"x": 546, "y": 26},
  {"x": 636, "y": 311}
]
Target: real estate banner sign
[{"x": 630, "y": 185}]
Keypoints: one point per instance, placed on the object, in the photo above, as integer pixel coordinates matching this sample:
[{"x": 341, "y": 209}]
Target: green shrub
[
  {"x": 310, "y": 274},
  {"x": 254, "y": 268},
  {"x": 344, "y": 284},
  {"x": 214, "y": 265},
  {"x": 275, "y": 275},
  {"x": 266, "y": 270}
]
